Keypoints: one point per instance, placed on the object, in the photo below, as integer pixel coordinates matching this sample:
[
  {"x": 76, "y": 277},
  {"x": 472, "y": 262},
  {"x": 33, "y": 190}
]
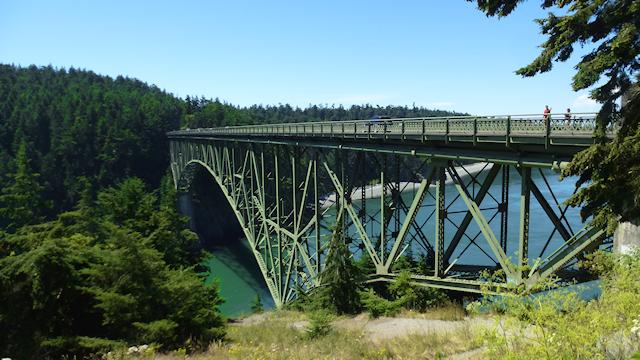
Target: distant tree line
[{"x": 201, "y": 112}]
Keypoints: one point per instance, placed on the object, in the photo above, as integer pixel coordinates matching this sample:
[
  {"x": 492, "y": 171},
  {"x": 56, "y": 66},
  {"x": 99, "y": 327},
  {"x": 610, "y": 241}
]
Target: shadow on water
[{"x": 232, "y": 263}]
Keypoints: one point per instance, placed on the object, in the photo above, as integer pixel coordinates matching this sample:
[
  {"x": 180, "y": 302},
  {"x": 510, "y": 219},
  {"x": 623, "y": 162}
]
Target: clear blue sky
[{"x": 438, "y": 54}]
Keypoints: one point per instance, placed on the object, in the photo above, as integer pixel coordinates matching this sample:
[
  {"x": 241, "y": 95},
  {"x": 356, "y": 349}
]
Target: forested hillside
[
  {"x": 93, "y": 253},
  {"x": 77, "y": 124}
]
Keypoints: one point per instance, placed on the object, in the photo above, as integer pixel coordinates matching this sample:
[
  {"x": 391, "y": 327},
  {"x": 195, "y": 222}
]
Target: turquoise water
[
  {"x": 467, "y": 252},
  {"x": 240, "y": 280}
]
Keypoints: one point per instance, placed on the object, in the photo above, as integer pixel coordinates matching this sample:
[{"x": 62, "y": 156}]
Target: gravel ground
[{"x": 386, "y": 327}]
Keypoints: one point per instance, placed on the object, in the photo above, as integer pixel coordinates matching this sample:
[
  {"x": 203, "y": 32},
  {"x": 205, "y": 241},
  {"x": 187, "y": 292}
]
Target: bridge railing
[{"x": 577, "y": 125}]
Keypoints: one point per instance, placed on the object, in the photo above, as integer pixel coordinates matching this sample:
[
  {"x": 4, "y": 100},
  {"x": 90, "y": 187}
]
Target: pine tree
[
  {"x": 21, "y": 201},
  {"x": 256, "y": 305},
  {"x": 340, "y": 280},
  {"x": 609, "y": 171}
]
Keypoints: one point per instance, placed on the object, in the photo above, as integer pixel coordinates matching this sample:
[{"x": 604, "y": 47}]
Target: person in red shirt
[{"x": 546, "y": 112}]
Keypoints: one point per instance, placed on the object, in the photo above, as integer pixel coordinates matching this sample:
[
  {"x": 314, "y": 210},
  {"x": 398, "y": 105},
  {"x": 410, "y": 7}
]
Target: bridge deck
[{"x": 508, "y": 136}]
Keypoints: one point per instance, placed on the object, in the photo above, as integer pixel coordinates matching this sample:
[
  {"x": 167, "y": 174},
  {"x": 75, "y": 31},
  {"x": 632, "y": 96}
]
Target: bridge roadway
[
  {"x": 274, "y": 177},
  {"x": 510, "y": 139}
]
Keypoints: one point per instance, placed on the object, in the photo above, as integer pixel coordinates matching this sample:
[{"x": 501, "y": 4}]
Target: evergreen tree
[
  {"x": 85, "y": 284},
  {"x": 21, "y": 200},
  {"x": 256, "y": 305},
  {"x": 609, "y": 171},
  {"x": 340, "y": 279}
]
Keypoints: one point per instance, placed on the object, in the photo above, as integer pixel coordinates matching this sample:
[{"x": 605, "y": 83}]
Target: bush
[
  {"x": 560, "y": 325},
  {"x": 256, "y": 305},
  {"x": 377, "y": 306},
  {"x": 319, "y": 324},
  {"x": 413, "y": 297}
]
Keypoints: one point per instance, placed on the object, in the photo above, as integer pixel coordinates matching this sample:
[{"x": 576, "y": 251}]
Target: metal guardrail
[{"x": 478, "y": 128}]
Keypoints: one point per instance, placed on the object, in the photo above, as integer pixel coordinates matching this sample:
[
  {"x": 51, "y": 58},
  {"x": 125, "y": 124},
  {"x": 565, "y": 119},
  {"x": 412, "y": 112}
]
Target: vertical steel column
[
  {"x": 525, "y": 197},
  {"x": 267, "y": 243},
  {"x": 233, "y": 174},
  {"x": 253, "y": 180},
  {"x": 316, "y": 209},
  {"x": 278, "y": 232},
  {"x": 504, "y": 208},
  {"x": 383, "y": 222},
  {"x": 440, "y": 216},
  {"x": 294, "y": 188},
  {"x": 363, "y": 202},
  {"x": 396, "y": 199},
  {"x": 343, "y": 195}
]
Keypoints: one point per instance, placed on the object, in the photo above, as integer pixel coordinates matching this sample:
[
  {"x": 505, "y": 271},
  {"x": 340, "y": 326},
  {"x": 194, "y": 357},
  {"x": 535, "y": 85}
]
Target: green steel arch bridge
[{"x": 431, "y": 189}]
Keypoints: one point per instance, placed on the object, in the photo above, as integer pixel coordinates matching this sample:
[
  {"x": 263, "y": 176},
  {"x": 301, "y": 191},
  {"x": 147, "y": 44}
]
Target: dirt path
[
  {"x": 391, "y": 327},
  {"x": 387, "y": 327}
]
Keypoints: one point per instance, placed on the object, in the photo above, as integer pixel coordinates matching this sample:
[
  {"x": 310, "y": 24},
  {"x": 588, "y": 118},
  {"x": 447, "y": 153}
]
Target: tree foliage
[
  {"x": 81, "y": 127},
  {"x": 201, "y": 112},
  {"x": 21, "y": 201},
  {"x": 340, "y": 279},
  {"x": 86, "y": 282},
  {"x": 610, "y": 171},
  {"x": 561, "y": 325},
  {"x": 92, "y": 258},
  {"x": 79, "y": 124}
]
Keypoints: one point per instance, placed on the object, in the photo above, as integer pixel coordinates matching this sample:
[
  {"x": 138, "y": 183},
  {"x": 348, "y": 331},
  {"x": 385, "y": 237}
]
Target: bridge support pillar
[
  {"x": 525, "y": 201},
  {"x": 626, "y": 238},
  {"x": 440, "y": 217}
]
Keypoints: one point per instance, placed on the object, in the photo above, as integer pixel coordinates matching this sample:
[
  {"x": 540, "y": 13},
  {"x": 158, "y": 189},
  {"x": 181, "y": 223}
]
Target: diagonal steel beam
[
  {"x": 410, "y": 218},
  {"x": 484, "y": 226},
  {"x": 574, "y": 246},
  {"x": 484, "y": 190},
  {"x": 354, "y": 218},
  {"x": 548, "y": 209},
  {"x": 304, "y": 195}
]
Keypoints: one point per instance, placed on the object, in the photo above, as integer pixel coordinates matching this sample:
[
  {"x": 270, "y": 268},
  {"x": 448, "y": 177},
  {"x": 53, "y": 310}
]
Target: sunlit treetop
[{"x": 610, "y": 170}]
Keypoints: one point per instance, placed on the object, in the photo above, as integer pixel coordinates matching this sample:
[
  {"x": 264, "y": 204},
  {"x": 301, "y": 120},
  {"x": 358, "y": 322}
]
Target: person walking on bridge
[
  {"x": 547, "y": 112},
  {"x": 567, "y": 118}
]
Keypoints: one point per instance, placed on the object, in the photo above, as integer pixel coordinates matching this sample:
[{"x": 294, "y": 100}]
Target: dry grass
[
  {"x": 448, "y": 312},
  {"x": 277, "y": 338}
]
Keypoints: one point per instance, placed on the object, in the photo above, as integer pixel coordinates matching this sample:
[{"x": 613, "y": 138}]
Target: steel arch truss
[{"x": 432, "y": 213}]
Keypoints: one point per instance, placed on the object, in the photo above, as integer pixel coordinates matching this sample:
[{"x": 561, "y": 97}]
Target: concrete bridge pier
[{"x": 626, "y": 238}]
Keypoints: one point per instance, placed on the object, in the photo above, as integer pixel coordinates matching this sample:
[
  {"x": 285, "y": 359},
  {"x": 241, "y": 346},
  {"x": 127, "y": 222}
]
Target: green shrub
[
  {"x": 157, "y": 332},
  {"x": 319, "y": 324},
  {"x": 256, "y": 305},
  {"x": 83, "y": 284},
  {"x": 413, "y": 297},
  {"x": 559, "y": 325},
  {"x": 377, "y": 306},
  {"x": 59, "y": 346}
]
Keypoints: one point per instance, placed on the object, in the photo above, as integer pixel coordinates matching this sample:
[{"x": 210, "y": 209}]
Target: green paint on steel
[{"x": 271, "y": 180}]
